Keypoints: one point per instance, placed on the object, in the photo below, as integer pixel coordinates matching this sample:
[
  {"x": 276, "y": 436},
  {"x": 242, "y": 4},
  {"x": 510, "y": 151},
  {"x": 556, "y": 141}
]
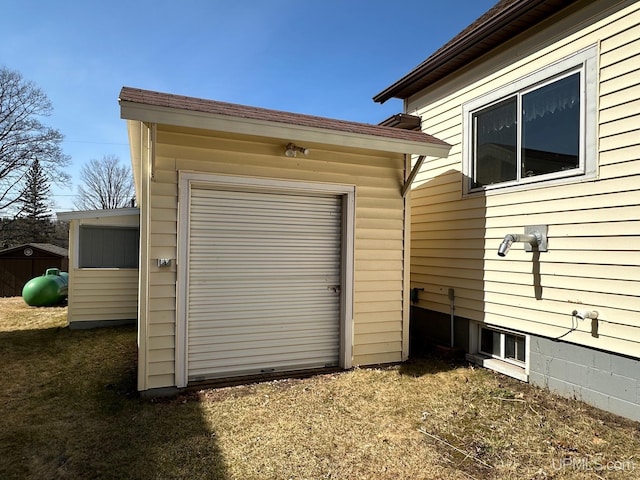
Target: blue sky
[{"x": 319, "y": 57}]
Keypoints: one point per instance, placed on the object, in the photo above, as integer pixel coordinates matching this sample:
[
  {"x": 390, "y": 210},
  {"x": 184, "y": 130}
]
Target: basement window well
[{"x": 501, "y": 350}]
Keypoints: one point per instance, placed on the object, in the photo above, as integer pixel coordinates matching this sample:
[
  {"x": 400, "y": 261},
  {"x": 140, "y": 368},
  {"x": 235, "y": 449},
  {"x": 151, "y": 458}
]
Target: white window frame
[
  {"x": 502, "y": 356},
  {"x": 585, "y": 62},
  {"x": 82, "y": 247},
  {"x": 515, "y": 369}
]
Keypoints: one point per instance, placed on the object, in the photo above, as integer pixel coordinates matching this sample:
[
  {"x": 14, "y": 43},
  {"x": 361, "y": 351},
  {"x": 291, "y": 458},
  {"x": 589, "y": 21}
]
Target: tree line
[{"x": 32, "y": 160}]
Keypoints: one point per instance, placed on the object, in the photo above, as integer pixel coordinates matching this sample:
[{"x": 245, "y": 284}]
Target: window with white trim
[
  {"x": 539, "y": 128},
  {"x": 507, "y": 346},
  {"x": 108, "y": 246}
]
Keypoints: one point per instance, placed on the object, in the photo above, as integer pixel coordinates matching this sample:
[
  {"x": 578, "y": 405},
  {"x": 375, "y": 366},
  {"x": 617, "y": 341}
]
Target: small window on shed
[{"x": 108, "y": 247}]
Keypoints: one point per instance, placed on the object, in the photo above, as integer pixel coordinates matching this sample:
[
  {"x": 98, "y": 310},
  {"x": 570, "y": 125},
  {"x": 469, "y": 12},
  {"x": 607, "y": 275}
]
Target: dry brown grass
[
  {"x": 15, "y": 315},
  {"x": 423, "y": 420},
  {"x": 68, "y": 410}
]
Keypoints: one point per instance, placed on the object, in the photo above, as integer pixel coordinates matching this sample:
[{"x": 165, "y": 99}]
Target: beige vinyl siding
[
  {"x": 379, "y": 222},
  {"x": 101, "y": 294},
  {"x": 594, "y": 232}
]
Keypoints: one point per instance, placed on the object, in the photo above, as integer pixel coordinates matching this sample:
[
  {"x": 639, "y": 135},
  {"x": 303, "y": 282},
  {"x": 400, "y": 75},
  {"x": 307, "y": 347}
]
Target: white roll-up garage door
[{"x": 263, "y": 289}]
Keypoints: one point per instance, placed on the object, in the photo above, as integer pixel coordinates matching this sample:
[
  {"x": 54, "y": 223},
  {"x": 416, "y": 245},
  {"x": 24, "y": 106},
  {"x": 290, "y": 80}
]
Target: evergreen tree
[{"x": 35, "y": 213}]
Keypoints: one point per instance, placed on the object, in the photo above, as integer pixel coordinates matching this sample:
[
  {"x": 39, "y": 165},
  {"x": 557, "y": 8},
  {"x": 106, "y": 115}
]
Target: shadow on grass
[
  {"x": 69, "y": 409},
  {"x": 432, "y": 362}
]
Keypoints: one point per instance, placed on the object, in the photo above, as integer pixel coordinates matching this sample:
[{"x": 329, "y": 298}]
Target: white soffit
[
  {"x": 113, "y": 212},
  {"x": 270, "y": 129}
]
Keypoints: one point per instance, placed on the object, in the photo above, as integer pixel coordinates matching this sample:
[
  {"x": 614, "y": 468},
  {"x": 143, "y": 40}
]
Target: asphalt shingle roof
[
  {"x": 47, "y": 247},
  {"x": 147, "y": 97}
]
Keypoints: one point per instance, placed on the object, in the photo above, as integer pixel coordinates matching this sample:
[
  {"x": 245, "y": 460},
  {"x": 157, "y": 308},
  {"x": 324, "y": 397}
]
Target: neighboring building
[
  {"x": 540, "y": 101},
  {"x": 20, "y": 264},
  {"x": 270, "y": 241},
  {"x": 103, "y": 266}
]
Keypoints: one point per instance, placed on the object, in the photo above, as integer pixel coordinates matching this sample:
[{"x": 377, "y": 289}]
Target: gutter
[{"x": 476, "y": 42}]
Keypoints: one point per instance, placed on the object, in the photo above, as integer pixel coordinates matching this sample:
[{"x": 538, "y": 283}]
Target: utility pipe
[
  {"x": 534, "y": 239},
  {"x": 452, "y": 310}
]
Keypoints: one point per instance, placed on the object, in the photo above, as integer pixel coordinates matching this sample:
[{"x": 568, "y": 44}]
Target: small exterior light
[{"x": 293, "y": 149}]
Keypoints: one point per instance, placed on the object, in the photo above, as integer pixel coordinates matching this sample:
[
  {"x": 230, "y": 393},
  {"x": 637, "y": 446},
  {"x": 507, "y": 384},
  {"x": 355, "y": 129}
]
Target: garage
[
  {"x": 270, "y": 241},
  {"x": 264, "y": 282}
]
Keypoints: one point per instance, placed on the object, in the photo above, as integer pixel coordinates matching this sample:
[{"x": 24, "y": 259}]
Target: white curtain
[{"x": 550, "y": 99}]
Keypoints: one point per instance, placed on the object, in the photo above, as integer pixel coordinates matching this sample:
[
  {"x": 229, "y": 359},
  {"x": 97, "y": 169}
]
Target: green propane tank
[{"x": 47, "y": 290}]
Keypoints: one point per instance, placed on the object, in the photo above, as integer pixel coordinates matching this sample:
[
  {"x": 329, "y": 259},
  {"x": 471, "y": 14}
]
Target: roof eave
[
  {"x": 45, "y": 247},
  {"x": 271, "y": 129},
  {"x": 81, "y": 214},
  {"x": 405, "y": 86}
]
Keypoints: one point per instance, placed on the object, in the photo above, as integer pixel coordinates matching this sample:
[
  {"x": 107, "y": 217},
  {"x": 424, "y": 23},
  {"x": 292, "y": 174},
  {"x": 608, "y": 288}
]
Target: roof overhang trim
[
  {"x": 491, "y": 32},
  {"x": 80, "y": 214},
  {"x": 284, "y": 131}
]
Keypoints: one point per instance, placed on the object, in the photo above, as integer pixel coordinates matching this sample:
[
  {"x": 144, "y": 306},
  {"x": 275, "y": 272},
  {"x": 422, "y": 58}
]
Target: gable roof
[
  {"x": 46, "y": 247},
  {"x": 150, "y": 106},
  {"x": 504, "y": 21}
]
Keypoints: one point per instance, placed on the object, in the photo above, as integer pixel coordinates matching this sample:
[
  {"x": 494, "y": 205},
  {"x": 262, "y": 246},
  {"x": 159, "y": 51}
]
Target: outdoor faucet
[
  {"x": 506, "y": 244},
  {"x": 534, "y": 238}
]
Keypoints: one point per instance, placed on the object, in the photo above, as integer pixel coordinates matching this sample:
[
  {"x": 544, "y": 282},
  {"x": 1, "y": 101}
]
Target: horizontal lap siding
[
  {"x": 103, "y": 294},
  {"x": 594, "y": 229},
  {"x": 378, "y": 240},
  {"x": 162, "y": 280},
  {"x": 379, "y": 270}
]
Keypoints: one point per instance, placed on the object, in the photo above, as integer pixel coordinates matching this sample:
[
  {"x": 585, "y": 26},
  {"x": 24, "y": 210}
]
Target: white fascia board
[
  {"x": 134, "y": 131},
  {"x": 286, "y": 132},
  {"x": 80, "y": 214}
]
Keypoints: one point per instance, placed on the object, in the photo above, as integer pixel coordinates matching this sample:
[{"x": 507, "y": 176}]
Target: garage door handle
[{"x": 334, "y": 288}]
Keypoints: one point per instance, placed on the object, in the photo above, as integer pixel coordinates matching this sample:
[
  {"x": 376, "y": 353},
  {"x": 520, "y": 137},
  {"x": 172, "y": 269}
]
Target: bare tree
[
  {"x": 106, "y": 185},
  {"x": 24, "y": 138}
]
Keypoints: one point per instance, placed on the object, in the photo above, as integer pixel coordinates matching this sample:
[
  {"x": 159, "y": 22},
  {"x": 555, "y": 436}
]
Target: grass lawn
[{"x": 69, "y": 410}]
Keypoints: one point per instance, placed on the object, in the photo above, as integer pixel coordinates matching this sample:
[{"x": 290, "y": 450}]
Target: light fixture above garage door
[{"x": 293, "y": 149}]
